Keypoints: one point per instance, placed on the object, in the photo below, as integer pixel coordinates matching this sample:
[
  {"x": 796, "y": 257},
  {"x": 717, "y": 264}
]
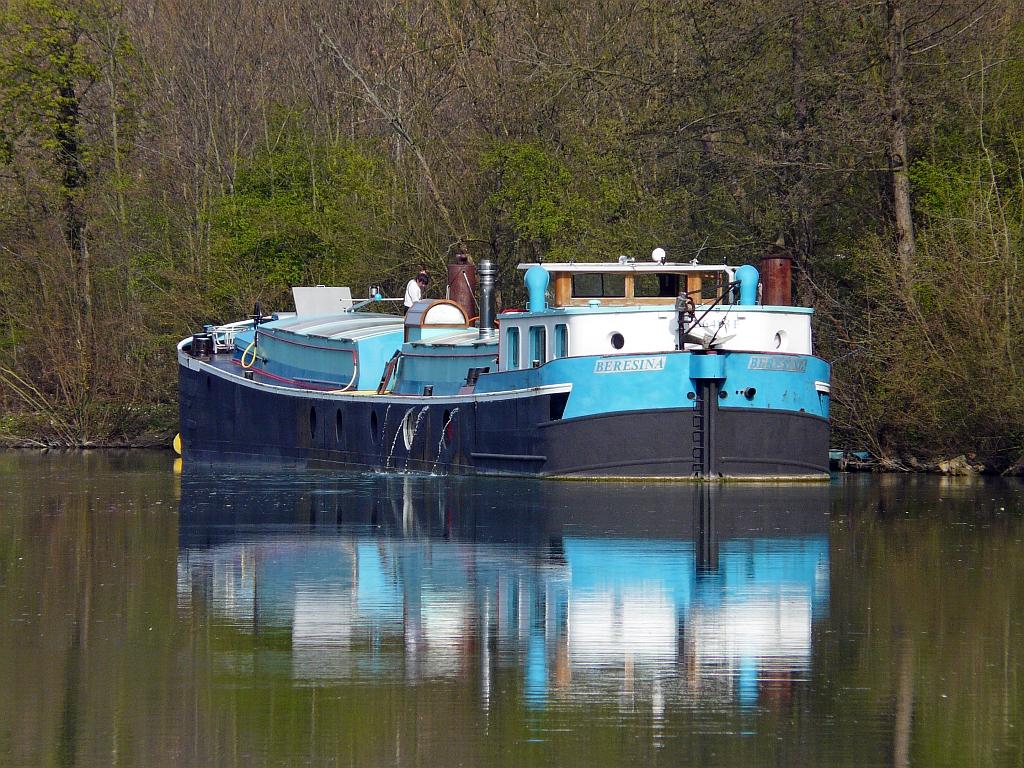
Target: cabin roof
[
  {"x": 350, "y": 326},
  {"x": 667, "y": 305},
  {"x": 628, "y": 267}
]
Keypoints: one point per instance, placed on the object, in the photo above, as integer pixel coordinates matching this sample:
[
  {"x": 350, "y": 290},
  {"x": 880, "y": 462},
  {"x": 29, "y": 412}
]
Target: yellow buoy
[
  {"x": 176, "y": 444},
  {"x": 177, "y": 466}
]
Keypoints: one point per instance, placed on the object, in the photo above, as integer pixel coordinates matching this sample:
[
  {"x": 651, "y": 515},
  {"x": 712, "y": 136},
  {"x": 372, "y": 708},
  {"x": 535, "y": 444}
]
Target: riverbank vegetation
[{"x": 165, "y": 163}]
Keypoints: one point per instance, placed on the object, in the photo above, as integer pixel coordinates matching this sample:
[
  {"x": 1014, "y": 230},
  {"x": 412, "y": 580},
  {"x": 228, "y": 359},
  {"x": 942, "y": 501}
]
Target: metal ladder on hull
[
  {"x": 705, "y": 405},
  {"x": 698, "y": 435}
]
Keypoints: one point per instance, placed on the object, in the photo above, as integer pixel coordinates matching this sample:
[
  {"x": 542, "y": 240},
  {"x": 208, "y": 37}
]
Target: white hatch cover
[{"x": 320, "y": 300}]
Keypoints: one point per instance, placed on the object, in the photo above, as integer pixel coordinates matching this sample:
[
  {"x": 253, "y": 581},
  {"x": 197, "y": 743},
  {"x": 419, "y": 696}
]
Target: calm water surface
[{"x": 245, "y": 618}]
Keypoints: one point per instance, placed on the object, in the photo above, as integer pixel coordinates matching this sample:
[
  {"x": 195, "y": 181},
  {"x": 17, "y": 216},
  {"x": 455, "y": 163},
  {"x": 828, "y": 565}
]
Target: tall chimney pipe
[
  {"x": 462, "y": 283},
  {"x": 487, "y": 273},
  {"x": 777, "y": 278}
]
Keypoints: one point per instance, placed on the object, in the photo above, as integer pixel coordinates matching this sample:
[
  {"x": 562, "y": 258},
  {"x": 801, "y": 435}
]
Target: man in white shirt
[{"x": 414, "y": 289}]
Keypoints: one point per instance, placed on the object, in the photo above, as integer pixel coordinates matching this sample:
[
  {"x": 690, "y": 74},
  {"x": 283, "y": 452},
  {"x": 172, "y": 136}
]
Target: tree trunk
[
  {"x": 801, "y": 230},
  {"x": 73, "y": 179},
  {"x": 899, "y": 151}
]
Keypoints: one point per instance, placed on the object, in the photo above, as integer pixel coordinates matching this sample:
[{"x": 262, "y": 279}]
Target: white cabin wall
[
  {"x": 755, "y": 330},
  {"x": 642, "y": 332},
  {"x": 648, "y": 332}
]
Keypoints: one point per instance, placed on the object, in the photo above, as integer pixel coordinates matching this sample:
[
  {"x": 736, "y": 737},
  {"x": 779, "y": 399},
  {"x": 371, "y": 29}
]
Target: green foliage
[
  {"x": 535, "y": 194},
  {"x": 932, "y": 361},
  {"x": 302, "y": 211},
  {"x": 580, "y": 202},
  {"x": 45, "y": 61},
  {"x": 943, "y": 186}
]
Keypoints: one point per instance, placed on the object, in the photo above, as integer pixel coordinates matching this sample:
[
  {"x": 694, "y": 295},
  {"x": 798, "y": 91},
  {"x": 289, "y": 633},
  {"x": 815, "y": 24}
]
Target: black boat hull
[{"x": 223, "y": 419}]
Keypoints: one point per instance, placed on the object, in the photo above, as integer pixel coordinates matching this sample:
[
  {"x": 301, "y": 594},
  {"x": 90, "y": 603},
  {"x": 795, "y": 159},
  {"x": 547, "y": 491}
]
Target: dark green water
[{"x": 249, "y": 619}]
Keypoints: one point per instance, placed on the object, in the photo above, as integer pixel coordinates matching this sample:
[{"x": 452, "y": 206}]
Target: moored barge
[{"x": 631, "y": 370}]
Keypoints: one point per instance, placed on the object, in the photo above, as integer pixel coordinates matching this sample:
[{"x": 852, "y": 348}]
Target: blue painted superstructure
[
  {"x": 442, "y": 362},
  {"x": 321, "y": 352},
  {"x": 672, "y": 379},
  {"x": 654, "y": 370}
]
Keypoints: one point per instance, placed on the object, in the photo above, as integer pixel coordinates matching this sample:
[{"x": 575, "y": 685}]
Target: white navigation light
[{"x": 658, "y": 255}]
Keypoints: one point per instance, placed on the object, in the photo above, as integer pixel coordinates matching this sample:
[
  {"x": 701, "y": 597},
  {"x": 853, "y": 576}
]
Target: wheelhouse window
[
  {"x": 561, "y": 340},
  {"x": 653, "y": 285},
  {"x": 711, "y": 285},
  {"x": 512, "y": 347},
  {"x": 596, "y": 285},
  {"x": 538, "y": 344}
]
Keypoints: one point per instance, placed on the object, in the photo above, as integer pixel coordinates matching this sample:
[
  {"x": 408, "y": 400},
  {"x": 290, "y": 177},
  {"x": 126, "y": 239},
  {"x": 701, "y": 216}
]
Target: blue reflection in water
[{"x": 578, "y": 599}]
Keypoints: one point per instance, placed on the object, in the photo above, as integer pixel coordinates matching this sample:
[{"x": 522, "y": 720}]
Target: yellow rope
[{"x": 252, "y": 346}]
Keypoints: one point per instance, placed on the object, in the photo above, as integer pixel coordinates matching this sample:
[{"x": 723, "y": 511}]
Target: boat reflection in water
[{"x": 570, "y": 590}]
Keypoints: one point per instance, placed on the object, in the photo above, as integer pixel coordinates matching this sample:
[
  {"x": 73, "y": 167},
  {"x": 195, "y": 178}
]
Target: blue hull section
[{"x": 744, "y": 380}]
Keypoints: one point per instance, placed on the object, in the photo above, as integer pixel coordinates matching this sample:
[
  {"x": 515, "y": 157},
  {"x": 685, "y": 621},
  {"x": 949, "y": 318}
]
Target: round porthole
[
  {"x": 780, "y": 339},
  {"x": 373, "y": 427},
  {"x": 618, "y": 340},
  {"x": 312, "y": 422},
  {"x": 339, "y": 425}
]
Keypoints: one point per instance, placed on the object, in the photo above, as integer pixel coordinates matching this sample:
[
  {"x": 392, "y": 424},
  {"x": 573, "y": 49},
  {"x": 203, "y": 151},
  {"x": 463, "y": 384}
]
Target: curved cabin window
[
  {"x": 512, "y": 348},
  {"x": 652, "y": 285},
  {"x": 595, "y": 285},
  {"x": 561, "y": 340},
  {"x": 538, "y": 345}
]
